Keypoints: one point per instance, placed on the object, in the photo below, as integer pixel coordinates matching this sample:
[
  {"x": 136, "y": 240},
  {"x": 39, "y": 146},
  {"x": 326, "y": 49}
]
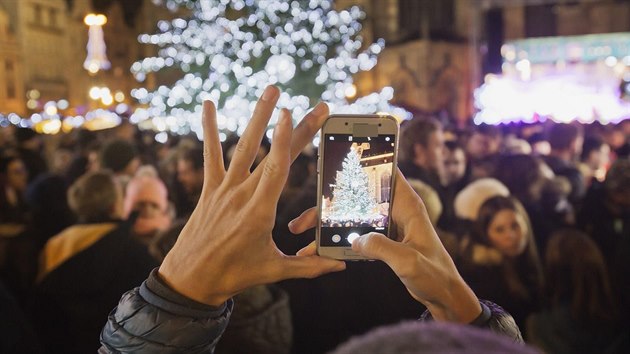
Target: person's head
[
  {"x": 27, "y": 138},
  {"x": 190, "y": 169},
  {"x": 469, "y": 200},
  {"x": 120, "y": 157},
  {"x": 566, "y": 138},
  {"x": 429, "y": 197},
  {"x": 13, "y": 173},
  {"x": 47, "y": 199},
  {"x": 147, "y": 195},
  {"x": 617, "y": 184},
  {"x": 514, "y": 145},
  {"x": 502, "y": 223},
  {"x": 422, "y": 143},
  {"x": 576, "y": 275},
  {"x": 595, "y": 153},
  {"x": 125, "y": 131},
  {"x": 485, "y": 140},
  {"x": 96, "y": 197},
  {"x": 454, "y": 162},
  {"x": 524, "y": 175},
  {"x": 539, "y": 143},
  {"x": 413, "y": 337}
]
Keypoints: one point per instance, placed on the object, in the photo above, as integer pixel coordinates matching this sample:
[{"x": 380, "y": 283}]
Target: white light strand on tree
[
  {"x": 352, "y": 200},
  {"x": 229, "y": 51}
]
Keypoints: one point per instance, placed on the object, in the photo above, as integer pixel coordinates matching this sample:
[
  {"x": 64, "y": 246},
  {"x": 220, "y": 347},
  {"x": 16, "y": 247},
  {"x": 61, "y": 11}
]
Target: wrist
[
  {"x": 184, "y": 280},
  {"x": 458, "y": 304}
]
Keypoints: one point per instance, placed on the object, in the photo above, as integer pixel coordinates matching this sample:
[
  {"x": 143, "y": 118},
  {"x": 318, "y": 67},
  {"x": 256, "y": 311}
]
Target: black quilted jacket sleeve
[{"x": 154, "y": 319}]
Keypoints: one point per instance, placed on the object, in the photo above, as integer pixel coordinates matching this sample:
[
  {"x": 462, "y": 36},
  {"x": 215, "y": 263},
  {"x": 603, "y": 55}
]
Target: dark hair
[
  {"x": 592, "y": 143},
  {"x": 416, "y": 131},
  {"x": 529, "y": 259},
  {"x": 488, "y": 130},
  {"x": 521, "y": 174},
  {"x": 561, "y": 136},
  {"x": 24, "y": 134},
  {"x": 5, "y": 162},
  {"x": 93, "y": 197},
  {"x": 48, "y": 200},
  {"x": 536, "y": 138},
  {"x": 117, "y": 154},
  {"x": 576, "y": 274},
  {"x": 194, "y": 156},
  {"x": 453, "y": 145},
  {"x": 618, "y": 177},
  {"x": 489, "y": 209},
  {"x": 4, "y": 168}
]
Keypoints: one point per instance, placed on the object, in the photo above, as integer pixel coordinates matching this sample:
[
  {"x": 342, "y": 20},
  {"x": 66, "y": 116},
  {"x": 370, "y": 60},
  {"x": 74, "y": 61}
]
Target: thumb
[
  {"x": 309, "y": 266},
  {"x": 377, "y": 246}
]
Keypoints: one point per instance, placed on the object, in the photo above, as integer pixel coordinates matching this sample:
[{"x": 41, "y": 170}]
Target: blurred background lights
[
  {"x": 307, "y": 48},
  {"x": 351, "y": 91},
  {"x": 96, "y": 50}
]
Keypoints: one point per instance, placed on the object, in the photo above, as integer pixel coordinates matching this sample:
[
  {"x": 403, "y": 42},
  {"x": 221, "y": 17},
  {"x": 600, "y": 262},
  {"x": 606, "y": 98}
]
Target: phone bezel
[{"x": 341, "y": 124}]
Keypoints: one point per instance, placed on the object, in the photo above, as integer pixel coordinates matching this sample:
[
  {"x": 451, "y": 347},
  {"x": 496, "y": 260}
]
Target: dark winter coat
[
  {"x": 155, "y": 319},
  {"x": 485, "y": 271},
  {"x": 72, "y": 300}
]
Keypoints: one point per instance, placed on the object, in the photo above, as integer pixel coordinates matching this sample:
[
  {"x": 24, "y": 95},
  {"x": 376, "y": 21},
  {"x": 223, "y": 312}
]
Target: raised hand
[
  {"x": 226, "y": 245},
  {"x": 415, "y": 254}
]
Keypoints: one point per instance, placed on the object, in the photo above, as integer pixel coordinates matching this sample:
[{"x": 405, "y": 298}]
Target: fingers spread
[
  {"x": 304, "y": 132},
  {"x": 307, "y": 220},
  {"x": 212, "y": 152},
  {"x": 249, "y": 143},
  {"x": 276, "y": 166}
]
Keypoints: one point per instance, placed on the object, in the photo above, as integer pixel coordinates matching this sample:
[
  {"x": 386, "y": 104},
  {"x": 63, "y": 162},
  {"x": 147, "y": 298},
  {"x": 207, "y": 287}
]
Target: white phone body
[{"x": 355, "y": 199}]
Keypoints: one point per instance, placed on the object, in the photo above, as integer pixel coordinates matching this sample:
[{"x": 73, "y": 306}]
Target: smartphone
[{"x": 356, "y": 170}]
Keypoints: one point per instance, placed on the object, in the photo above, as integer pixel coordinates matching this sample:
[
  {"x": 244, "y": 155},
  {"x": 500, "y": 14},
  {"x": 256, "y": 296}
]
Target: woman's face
[
  {"x": 17, "y": 175},
  {"x": 506, "y": 233}
]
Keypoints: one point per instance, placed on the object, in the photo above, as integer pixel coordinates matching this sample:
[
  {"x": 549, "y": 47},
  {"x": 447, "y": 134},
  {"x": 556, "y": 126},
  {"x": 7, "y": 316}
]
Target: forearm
[
  {"x": 154, "y": 318},
  {"x": 458, "y": 303}
]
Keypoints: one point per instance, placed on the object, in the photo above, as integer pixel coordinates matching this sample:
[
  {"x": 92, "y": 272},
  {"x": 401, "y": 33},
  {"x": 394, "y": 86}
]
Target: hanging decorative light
[{"x": 96, "y": 50}]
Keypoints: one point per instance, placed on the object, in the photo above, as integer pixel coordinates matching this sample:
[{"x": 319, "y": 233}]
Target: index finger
[{"x": 303, "y": 134}]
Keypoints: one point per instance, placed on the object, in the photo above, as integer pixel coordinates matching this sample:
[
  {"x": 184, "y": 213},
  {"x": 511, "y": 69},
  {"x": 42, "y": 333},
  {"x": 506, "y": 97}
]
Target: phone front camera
[{"x": 346, "y": 123}]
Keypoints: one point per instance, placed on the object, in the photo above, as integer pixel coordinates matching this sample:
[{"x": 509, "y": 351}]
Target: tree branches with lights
[{"x": 229, "y": 51}]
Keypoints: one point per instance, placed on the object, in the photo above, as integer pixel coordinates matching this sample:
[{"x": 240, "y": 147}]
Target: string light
[{"x": 306, "y": 48}]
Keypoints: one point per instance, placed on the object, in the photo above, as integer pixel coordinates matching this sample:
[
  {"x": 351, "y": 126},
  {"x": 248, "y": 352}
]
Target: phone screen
[{"x": 357, "y": 187}]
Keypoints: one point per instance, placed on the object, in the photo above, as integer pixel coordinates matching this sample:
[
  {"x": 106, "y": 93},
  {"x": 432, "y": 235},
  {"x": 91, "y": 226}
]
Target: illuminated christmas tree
[
  {"x": 352, "y": 200},
  {"x": 229, "y": 51}
]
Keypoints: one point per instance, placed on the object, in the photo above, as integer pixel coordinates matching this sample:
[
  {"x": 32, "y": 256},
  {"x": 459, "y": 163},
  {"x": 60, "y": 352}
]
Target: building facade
[
  {"x": 438, "y": 52},
  {"x": 11, "y": 83},
  {"x": 43, "y": 47}
]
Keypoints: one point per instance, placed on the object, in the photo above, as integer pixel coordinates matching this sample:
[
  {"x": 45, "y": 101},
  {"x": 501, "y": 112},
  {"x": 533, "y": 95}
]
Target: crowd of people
[{"x": 536, "y": 219}]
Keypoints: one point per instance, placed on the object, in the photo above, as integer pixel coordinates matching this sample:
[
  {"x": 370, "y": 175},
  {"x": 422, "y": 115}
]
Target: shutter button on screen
[{"x": 352, "y": 237}]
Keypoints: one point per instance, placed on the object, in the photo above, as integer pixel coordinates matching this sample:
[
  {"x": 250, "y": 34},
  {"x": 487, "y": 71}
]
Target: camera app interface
[{"x": 357, "y": 186}]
